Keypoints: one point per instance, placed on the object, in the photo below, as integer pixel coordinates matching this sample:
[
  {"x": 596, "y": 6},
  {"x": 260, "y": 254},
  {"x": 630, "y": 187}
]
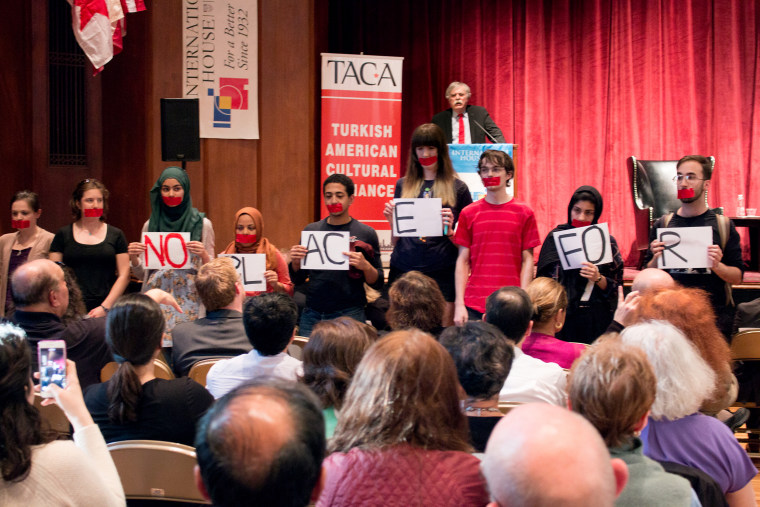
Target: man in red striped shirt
[{"x": 496, "y": 236}]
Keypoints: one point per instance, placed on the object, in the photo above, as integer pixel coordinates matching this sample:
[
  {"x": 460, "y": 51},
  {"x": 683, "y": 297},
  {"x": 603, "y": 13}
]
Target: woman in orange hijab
[{"x": 249, "y": 227}]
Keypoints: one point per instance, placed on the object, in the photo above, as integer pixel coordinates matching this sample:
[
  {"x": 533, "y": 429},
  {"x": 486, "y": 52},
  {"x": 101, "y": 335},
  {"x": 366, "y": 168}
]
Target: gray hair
[
  {"x": 684, "y": 379},
  {"x": 457, "y": 84}
]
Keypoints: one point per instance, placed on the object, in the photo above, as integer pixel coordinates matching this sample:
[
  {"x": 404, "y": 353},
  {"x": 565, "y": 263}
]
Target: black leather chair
[{"x": 654, "y": 195}]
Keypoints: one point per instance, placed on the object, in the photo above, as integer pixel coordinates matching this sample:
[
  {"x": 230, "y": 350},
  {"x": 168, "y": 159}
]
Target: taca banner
[
  {"x": 361, "y": 131},
  {"x": 219, "y": 66}
]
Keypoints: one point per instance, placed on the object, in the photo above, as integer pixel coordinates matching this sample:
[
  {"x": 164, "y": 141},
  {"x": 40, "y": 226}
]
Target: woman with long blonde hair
[{"x": 429, "y": 173}]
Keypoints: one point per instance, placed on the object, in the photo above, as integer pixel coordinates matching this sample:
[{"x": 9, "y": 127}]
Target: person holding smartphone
[{"x": 36, "y": 469}]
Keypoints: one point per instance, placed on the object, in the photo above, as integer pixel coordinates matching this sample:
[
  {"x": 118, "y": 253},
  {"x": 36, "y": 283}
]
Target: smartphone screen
[{"x": 52, "y": 360}]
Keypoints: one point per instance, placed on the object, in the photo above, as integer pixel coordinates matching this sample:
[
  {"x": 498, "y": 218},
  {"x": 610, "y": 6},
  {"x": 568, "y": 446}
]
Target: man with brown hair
[
  {"x": 220, "y": 333},
  {"x": 693, "y": 179}
]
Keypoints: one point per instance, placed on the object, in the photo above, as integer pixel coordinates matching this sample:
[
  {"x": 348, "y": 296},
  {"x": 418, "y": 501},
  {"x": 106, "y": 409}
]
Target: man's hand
[
  {"x": 715, "y": 254},
  {"x": 297, "y": 253},
  {"x": 163, "y": 298},
  {"x": 657, "y": 247},
  {"x": 626, "y": 308},
  {"x": 358, "y": 261}
]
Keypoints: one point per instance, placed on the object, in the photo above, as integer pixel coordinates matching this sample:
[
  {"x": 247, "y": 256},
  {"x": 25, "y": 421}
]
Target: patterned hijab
[
  {"x": 262, "y": 244},
  {"x": 182, "y": 218}
]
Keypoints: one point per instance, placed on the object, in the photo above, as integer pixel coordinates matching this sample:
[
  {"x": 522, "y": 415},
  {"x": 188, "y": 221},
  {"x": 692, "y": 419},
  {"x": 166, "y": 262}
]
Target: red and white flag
[
  {"x": 133, "y": 5},
  {"x": 92, "y": 29},
  {"x": 100, "y": 26}
]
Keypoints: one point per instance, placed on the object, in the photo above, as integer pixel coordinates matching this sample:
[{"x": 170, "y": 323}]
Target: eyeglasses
[
  {"x": 491, "y": 170},
  {"x": 688, "y": 177}
]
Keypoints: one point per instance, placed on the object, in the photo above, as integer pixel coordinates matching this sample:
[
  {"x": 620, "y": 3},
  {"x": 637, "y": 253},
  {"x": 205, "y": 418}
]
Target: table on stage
[{"x": 753, "y": 224}]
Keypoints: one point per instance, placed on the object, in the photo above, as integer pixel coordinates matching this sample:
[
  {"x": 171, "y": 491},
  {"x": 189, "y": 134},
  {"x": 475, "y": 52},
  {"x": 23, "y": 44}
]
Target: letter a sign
[{"x": 325, "y": 250}]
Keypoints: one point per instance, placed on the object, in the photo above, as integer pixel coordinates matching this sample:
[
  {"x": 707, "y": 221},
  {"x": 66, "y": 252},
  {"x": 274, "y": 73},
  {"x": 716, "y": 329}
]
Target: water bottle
[{"x": 740, "y": 209}]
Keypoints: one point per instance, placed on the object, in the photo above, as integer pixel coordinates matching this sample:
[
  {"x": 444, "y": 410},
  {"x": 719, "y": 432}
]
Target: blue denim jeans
[{"x": 310, "y": 317}]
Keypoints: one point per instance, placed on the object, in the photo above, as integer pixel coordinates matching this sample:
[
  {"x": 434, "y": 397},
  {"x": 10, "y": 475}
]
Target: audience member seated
[
  {"x": 36, "y": 468},
  {"x": 330, "y": 358},
  {"x": 416, "y": 302},
  {"x": 483, "y": 357},
  {"x": 529, "y": 379},
  {"x": 550, "y": 309},
  {"x": 402, "y": 438},
  {"x": 689, "y": 310},
  {"x": 270, "y": 324},
  {"x": 645, "y": 280},
  {"x": 613, "y": 387},
  {"x": 220, "y": 333},
  {"x": 42, "y": 299},
  {"x": 652, "y": 279},
  {"x": 677, "y": 431},
  {"x": 261, "y": 444},
  {"x": 134, "y": 404},
  {"x": 540, "y": 455}
]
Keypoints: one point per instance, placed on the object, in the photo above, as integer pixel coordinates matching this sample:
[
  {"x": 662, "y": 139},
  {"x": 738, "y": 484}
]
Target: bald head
[
  {"x": 39, "y": 285},
  {"x": 541, "y": 454},
  {"x": 652, "y": 278},
  {"x": 262, "y": 444}
]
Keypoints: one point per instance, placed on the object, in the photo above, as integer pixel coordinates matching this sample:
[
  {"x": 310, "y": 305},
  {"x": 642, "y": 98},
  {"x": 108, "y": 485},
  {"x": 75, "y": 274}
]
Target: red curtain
[{"x": 581, "y": 85}]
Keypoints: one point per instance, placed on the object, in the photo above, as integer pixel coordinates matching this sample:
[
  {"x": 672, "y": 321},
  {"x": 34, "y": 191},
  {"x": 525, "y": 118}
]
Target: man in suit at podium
[{"x": 464, "y": 124}]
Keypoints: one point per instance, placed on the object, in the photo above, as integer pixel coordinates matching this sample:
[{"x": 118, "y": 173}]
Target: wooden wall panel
[
  {"x": 288, "y": 160},
  {"x": 277, "y": 174},
  {"x": 16, "y": 108}
]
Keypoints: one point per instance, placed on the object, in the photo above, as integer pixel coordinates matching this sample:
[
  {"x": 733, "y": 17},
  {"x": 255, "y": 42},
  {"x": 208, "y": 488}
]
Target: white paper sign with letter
[
  {"x": 325, "y": 250},
  {"x": 251, "y": 269},
  {"x": 166, "y": 250},
  {"x": 417, "y": 218},
  {"x": 583, "y": 244},
  {"x": 685, "y": 247}
]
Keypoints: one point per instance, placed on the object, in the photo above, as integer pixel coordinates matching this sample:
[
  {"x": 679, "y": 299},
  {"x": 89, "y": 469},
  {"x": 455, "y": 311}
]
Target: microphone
[{"x": 492, "y": 138}]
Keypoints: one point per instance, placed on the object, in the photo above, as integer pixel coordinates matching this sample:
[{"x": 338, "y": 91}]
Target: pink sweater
[{"x": 552, "y": 350}]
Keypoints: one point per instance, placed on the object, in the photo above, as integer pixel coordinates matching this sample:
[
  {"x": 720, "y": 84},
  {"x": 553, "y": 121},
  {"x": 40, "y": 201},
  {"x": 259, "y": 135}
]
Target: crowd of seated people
[{"x": 414, "y": 416}]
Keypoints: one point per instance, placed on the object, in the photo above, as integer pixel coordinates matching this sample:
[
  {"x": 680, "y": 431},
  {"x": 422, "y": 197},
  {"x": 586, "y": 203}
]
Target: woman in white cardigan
[
  {"x": 36, "y": 468},
  {"x": 28, "y": 243}
]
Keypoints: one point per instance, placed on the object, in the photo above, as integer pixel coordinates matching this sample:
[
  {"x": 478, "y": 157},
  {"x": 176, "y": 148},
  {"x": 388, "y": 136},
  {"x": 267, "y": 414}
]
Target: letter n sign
[{"x": 166, "y": 250}]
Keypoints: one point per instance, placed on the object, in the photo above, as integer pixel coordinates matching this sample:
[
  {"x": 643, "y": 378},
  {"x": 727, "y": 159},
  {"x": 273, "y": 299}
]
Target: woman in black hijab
[{"x": 586, "y": 320}]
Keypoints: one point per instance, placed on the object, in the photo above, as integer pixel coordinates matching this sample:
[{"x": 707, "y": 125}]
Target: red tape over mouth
[
  {"x": 685, "y": 193},
  {"x": 172, "y": 201},
  {"x": 20, "y": 224},
  {"x": 335, "y": 208},
  {"x": 245, "y": 238},
  {"x": 93, "y": 212},
  {"x": 492, "y": 181}
]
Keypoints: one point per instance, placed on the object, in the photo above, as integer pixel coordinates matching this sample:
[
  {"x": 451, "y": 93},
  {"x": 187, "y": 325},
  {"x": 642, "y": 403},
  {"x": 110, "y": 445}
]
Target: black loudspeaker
[{"x": 180, "y": 136}]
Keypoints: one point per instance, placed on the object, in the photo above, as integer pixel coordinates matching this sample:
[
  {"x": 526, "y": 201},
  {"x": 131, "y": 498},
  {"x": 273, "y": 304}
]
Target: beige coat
[{"x": 40, "y": 250}]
